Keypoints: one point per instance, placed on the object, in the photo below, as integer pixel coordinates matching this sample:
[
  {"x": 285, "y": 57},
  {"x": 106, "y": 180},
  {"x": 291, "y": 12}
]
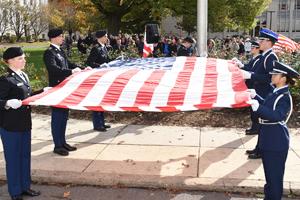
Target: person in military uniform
[
  {"x": 15, "y": 123},
  {"x": 59, "y": 68},
  {"x": 251, "y": 67},
  {"x": 97, "y": 57},
  {"x": 261, "y": 78},
  {"x": 274, "y": 112},
  {"x": 185, "y": 48}
]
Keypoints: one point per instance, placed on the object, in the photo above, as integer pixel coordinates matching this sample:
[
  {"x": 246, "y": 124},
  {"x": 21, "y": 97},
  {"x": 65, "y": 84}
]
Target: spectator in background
[{"x": 185, "y": 47}]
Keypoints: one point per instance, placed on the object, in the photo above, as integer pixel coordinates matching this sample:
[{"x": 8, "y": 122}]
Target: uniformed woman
[
  {"x": 274, "y": 113},
  {"x": 15, "y": 123}
]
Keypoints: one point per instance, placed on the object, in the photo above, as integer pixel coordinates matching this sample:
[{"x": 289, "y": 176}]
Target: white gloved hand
[
  {"x": 254, "y": 104},
  {"x": 252, "y": 93},
  {"x": 77, "y": 69},
  {"x": 238, "y": 62},
  {"x": 14, "y": 103},
  {"x": 46, "y": 88},
  {"x": 246, "y": 74},
  {"x": 88, "y": 68}
]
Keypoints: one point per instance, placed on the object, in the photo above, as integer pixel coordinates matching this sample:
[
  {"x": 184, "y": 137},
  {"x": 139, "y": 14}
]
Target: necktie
[{"x": 23, "y": 77}]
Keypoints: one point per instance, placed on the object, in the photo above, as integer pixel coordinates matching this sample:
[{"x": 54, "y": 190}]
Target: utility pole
[{"x": 202, "y": 10}]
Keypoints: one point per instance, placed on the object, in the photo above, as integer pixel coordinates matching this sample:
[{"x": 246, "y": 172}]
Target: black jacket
[
  {"x": 98, "y": 56},
  {"x": 183, "y": 51},
  {"x": 58, "y": 66},
  {"x": 14, "y": 87}
]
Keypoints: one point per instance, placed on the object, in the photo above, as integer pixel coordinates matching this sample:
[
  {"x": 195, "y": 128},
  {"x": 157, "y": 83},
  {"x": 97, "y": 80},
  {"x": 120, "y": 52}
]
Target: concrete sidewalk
[{"x": 155, "y": 156}]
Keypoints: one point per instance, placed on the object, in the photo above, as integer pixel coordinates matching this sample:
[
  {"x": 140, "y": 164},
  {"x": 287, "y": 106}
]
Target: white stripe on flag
[
  {"x": 59, "y": 95},
  {"x": 162, "y": 91},
  {"x": 225, "y": 94},
  {"x": 96, "y": 94},
  {"x": 129, "y": 93},
  {"x": 195, "y": 88}
]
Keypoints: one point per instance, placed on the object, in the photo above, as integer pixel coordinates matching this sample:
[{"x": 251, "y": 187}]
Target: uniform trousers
[
  {"x": 98, "y": 119},
  {"x": 274, "y": 166},
  {"x": 17, "y": 153},
  {"x": 59, "y": 120}
]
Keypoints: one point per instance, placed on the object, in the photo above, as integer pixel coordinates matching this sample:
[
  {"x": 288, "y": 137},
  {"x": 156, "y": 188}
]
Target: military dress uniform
[
  {"x": 97, "y": 57},
  {"x": 274, "y": 112},
  {"x": 252, "y": 66},
  {"x": 261, "y": 80},
  {"x": 59, "y": 68},
  {"x": 15, "y": 132}
]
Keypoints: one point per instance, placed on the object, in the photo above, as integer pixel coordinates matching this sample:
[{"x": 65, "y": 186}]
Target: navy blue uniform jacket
[{"x": 274, "y": 111}]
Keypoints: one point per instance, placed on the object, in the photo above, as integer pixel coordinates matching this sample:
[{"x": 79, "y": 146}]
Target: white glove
[
  {"x": 254, "y": 104},
  {"x": 77, "y": 69},
  {"x": 237, "y": 62},
  {"x": 46, "y": 88},
  {"x": 252, "y": 93},
  {"x": 14, "y": 103},
  {"x": 88, "y": 68},
  {"x": 246, "y": 74}
]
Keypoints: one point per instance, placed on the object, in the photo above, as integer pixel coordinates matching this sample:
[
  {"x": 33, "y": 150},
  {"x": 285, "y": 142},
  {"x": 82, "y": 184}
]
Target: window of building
[
  {"x": 283, "y": 5},
  {"x": 297, "y": 5}
]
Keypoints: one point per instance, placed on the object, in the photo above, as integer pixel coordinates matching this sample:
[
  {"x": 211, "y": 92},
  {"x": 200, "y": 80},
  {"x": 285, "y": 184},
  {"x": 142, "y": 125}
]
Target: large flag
[
  {"x": 285, "y": 44},
  {"x": 151, "y": 84}
]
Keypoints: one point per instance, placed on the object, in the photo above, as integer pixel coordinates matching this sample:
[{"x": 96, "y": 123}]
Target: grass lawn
[{"x": 35, "y": 56}]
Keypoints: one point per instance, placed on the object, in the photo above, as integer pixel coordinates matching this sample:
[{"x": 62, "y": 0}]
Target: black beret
[
  {"x": 53, "y": 33},
  {"x": 12, "y": 52},
  {"x": 189, "y": 39},
  {"x": 100, "y": 34}
]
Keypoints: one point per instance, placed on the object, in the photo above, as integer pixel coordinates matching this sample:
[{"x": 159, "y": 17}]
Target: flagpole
[{"x": 202, "y": 10}]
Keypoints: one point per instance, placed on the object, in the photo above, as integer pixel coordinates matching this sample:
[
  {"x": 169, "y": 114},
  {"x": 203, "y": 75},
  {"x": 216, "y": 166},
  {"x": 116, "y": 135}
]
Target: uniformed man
[
  {"x": 59, "y": 68},
  {"x": 274, "y": 112},
  {"x": 260, "y": 77},
  {"x": 15, "y": 123},
  {"x": 185, "y": 47},
  {"x": 97, "y": 57},
  {"x": 252, "y": 66}
]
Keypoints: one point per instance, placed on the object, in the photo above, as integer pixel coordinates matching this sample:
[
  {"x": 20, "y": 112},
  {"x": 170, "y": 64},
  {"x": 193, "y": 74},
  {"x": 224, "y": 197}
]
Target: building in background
[{"x": 282, "y": 16}]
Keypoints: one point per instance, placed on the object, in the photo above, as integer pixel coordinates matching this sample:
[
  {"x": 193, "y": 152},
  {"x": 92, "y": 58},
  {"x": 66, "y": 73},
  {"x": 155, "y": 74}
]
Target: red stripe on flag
[
  {"x": 144, "y": 95},
  {"x": 177, "y": 94},
  {"x": 114, "y": 92},
  {"x": 39, "y": 96},
  {"x": 238, "y": 85},
  {"x": 210, "y": 89},
  {"x": 83, "y": 89}
]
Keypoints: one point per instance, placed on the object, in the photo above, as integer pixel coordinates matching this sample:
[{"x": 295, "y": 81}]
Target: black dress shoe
[
  {"x": 251, "y": 132},
  {"x": 253, "y": 151},
  {"x": 101, "y": 129},
  {"x": 107, "y": 126},
  {"x": 69, "y": 147},
  {"x": 31, "y": 193},
  {"x": 254, "y": 156},
  {"x": 61, "y": 151},
  {"x": 19, "y": 197}
]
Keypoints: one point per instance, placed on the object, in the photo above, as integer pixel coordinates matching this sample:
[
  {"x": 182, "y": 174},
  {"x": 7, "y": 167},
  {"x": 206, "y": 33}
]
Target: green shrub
[{"x": 12, "y": 39}]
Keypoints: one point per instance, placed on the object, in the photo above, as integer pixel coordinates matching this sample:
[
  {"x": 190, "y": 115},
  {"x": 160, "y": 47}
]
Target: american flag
[
  {"x": 148, "y": 48},
  {"x": 151, "y": 84},
  {"x": 285, "y": 44}
]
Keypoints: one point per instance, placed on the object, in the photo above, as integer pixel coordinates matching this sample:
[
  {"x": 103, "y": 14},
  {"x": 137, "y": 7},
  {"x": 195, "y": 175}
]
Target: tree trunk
[{"x": 114, "y": 24}]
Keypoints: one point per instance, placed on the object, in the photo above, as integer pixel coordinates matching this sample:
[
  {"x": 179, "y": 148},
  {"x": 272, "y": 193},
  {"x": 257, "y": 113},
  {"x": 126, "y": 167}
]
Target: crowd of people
[
  {"x": 266, "y": 77},
  {"x": 168, "y": 45}
]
